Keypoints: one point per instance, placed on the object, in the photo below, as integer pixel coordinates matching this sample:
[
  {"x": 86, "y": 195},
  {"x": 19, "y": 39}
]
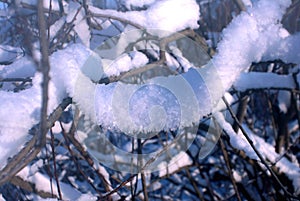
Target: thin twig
[
  {"x": 15, "y": 79},
  {"x": 163, "y": 42},
  {"x": 54, "y": 165},
  {"x": 101, "y": 14},
  {"x": 30, "y": 151},
  {"x": 119, "y": 186},
  {"x": 228, "y": 165},
  {"x": 45, "y": 68},
  {"x": 241, "y": 111},
  {"x": 274, "y": 176},
  {"x": 75, "y": 160},
  {"x": 194, "y": 183},
  {"x": 144, "y": 186}
]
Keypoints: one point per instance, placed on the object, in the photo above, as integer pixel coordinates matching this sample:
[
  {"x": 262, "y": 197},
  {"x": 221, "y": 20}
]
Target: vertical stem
[
  {"x": 54, "y": 164},
  {"x": 44, "y": 67},
  {"x": 241, "y": 111}
]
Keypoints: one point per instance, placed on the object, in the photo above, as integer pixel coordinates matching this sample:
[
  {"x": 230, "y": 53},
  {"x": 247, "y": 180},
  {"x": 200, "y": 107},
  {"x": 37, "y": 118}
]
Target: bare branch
[
  {"x": 45, "y": 68},
  {"x": 274, "y": 176},
  {"x": 30, "y": 150}
]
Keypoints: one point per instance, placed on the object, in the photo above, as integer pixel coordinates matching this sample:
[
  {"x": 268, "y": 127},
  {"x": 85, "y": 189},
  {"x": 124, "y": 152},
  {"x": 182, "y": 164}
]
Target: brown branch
[
  {"x": 274, "y": 176},
  {"x": 113, "y": 17},
  {"x": 241, "y": 111},
  {"x": 163, "y": 42},
  {"x": 82, "y": 150},
  {"x": 144, "y": 186},
  {"x": 119, "y": 186},
  {"x": 30, "y": 150},
  {"x": 45, "y": 68},
  {"x": 76, "y": 161},
  {"x": 240, "y": 5}
]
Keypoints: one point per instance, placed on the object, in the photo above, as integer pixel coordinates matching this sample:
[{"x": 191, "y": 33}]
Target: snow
[
  {"x": 238, "y": 141},
  {"x": 77, "y": 13},
  {"x": 284, "y": 165},
  {"x": 175, "y": 101},
  {"x": 87, "y": 197},
  {"x": 42, "y": 183},
  {"x": 54, "y": 28},
  {"x": 259, "y": 80},
  {"x": 248, "y": 38},
  {"x": 24, "y": 106},
  {"x": 286, "y": 49},
  {"x": 19, "y": 107},
  {"x": 54, "y": 3},
  {"x": 124, "y": 63},
  {"x": 284, "y": 100},
  {"x": 182, "y": 100},
  {"x": 177, "y": 162},
  {"x": 161, "y": 103},
  {"x": 9, "y": 54},
  {"x": 164, "y": 15},
  {"x": 21, "y": 68}
]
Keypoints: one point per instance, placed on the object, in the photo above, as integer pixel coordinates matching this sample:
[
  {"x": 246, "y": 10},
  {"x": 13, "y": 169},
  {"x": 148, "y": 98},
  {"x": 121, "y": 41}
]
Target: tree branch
[
  {"x": 30, "y": 150},
  {"x": 274, "y": 176}
]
